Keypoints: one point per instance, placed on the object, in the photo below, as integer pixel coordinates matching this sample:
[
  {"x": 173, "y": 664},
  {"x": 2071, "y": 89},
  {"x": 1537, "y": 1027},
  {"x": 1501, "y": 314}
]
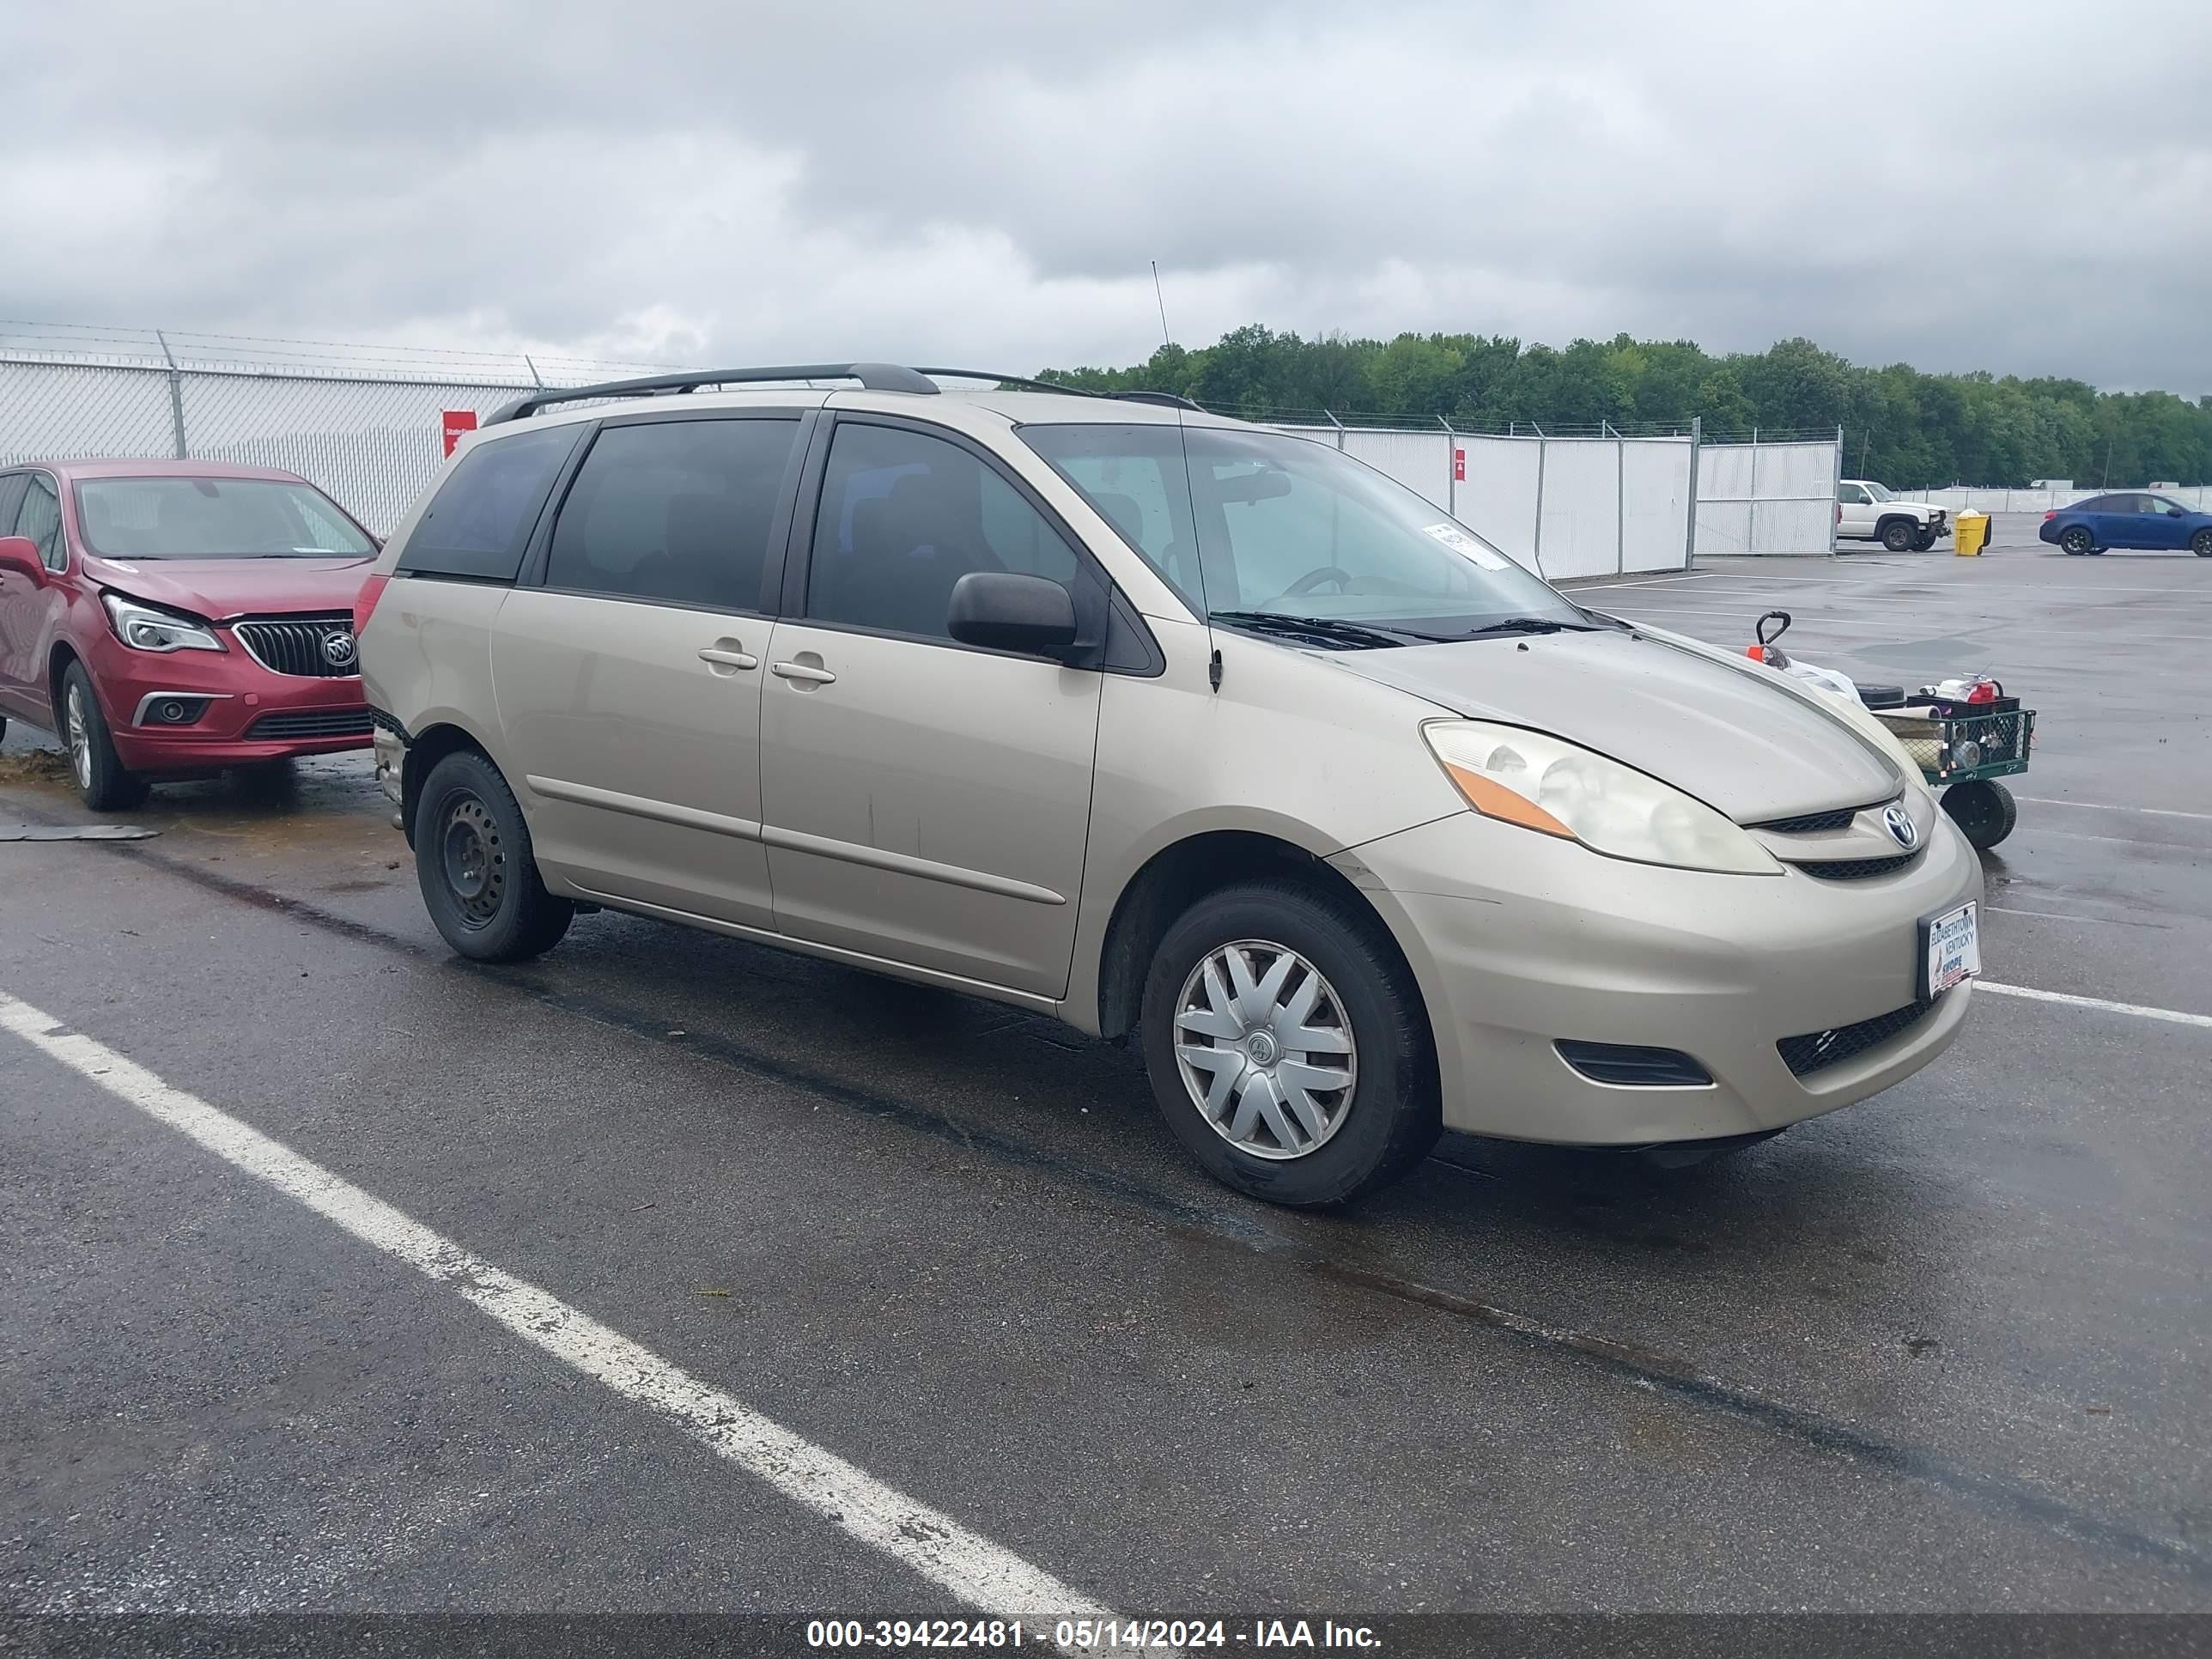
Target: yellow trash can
[{"x": 1970, "y": 533}]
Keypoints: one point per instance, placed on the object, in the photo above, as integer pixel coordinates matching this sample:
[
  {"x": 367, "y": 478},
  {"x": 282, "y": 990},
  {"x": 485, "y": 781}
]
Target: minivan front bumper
[{"x": 1586, "y": 948}]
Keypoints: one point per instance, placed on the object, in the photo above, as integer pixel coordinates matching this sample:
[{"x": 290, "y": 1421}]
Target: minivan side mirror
[
  {"x": 1007, "y": 611},
  {"x": 19, "y": 554}
]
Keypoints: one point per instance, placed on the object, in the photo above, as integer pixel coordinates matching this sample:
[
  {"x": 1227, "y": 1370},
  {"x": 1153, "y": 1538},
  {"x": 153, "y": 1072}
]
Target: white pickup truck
[{"x": 1868, "y": 512}]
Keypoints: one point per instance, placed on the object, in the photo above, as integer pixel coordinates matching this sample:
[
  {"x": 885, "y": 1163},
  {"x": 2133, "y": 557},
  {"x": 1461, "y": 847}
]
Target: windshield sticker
[{"x": 1461, "y": 542}]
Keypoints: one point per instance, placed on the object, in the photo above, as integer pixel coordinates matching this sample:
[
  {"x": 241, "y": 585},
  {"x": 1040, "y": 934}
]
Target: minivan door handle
[
  {"x": 722, "y": 658},
  {"x": 805, "y": 671}
]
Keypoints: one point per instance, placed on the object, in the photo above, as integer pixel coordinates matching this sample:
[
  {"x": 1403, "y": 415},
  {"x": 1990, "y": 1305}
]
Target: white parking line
[
  {"x": 964, "y": 1563},
  {"x": 2114, "y": 806},
  {"x": 2060, "y": 916},
  {"x": 2172, "y": 1016}
]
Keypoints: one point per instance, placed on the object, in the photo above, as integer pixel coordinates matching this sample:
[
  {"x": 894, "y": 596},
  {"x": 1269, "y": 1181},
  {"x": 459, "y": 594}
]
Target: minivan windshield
[
  {"x": 184, "y": 518},
  {"x": 1253, "y": 527}
]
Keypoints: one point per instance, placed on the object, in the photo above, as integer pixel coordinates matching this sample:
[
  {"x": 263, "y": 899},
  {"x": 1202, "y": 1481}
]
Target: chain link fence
[{"x": 364, "y": 423}]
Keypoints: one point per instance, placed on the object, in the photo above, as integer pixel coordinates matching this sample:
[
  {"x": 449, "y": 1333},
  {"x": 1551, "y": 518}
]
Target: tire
[
  {"x": 2076, "y": 539},
  {"x": 1375, "y": 1129},
  {"x": 2201, "y": 543},
  {"x": 1898, "y": 534},
  {"x": 100, "y": 776},
  {"x": 1924, "y": 541},
  {"x": 473, "y": 861},
  {"x": 1985, "y": 812}
]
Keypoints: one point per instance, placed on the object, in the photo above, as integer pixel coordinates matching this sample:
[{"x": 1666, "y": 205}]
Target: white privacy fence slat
[
  {"x": 1960, "y": 498},
  {"x": 1777, "y": 498}
]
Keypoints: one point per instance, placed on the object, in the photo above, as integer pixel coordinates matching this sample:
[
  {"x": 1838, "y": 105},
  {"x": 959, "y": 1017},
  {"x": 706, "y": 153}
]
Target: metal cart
[{"x": 1962, "y": 750}]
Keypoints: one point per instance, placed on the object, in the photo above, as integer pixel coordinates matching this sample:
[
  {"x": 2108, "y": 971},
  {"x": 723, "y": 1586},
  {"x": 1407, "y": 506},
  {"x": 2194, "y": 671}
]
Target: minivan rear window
[{"x": 478, "y": 524}]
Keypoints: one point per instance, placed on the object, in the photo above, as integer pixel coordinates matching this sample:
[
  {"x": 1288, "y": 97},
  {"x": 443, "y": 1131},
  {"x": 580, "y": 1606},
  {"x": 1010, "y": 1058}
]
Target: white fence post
[
  {"x": 1835, "y": 516},
  {"x": 1451, "y": 467},
  {"x": 1690, "y": 536},
  {"x": 1536, "y": 541},
  {"x": 1619, "y": 500}
]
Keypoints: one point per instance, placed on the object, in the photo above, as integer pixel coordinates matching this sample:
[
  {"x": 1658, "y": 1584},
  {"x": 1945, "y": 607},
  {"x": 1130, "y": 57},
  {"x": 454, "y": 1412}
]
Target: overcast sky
[{"x": 2000, "y": 183}]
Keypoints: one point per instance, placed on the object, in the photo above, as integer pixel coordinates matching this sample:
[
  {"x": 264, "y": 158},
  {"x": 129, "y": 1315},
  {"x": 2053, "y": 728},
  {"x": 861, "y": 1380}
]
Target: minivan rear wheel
[
  {"x": 473, "y": 861},
  {"x": 1287, "y": 1046}
]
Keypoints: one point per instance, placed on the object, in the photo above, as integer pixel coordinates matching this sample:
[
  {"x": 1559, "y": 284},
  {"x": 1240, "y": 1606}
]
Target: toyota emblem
[
  {"x": 338, "y": 649},
  {"x": 1901, "y": 829}
]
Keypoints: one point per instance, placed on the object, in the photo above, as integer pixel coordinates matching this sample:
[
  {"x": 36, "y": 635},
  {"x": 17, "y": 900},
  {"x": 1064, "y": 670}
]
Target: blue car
[{"x": 2132, "y": 518}]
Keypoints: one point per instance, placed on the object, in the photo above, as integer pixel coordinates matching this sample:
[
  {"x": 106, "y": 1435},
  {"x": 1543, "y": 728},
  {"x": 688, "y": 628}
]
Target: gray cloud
[{"x": 2006, "y": 185}]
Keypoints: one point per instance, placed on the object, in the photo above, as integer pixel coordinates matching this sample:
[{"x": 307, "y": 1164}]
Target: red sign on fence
[
  {"x": 458, "y": 421},
  {"x": 1459, "y": 462}
]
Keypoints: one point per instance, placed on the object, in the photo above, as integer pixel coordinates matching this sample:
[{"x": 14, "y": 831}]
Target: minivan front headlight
[{"x": 1546, "y": 784}]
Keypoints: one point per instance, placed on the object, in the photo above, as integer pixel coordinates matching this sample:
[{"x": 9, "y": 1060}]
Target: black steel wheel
[
  {"x": 1985, "y": 812},
  {"x": 474, "y": 863}
]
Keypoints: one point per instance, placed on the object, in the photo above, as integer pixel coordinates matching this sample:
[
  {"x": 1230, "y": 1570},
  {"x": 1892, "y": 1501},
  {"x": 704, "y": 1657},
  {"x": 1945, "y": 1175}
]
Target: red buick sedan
[{"x": 178, "y": 617}]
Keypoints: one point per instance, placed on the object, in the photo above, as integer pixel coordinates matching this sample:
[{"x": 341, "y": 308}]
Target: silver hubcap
[
  {"x": 1265, "y": 1049},
  {"x": 80, "y": 740}
]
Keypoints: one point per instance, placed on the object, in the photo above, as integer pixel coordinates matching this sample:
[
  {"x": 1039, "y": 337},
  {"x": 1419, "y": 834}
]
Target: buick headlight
[
  {"x": 144, "y": 629},
  {"x": 1549, "y": 785}
]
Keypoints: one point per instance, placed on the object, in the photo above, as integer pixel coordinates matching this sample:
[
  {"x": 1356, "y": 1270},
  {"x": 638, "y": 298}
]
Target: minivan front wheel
[
  {"x": 1287, "y": 1046},
  {"x": 473, "y": 861}
]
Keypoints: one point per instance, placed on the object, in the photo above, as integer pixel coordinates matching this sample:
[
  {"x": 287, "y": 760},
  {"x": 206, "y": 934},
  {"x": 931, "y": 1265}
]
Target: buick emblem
[
  {"x": 1900, "y": 827},
  {"x": 338, "y": 651}
]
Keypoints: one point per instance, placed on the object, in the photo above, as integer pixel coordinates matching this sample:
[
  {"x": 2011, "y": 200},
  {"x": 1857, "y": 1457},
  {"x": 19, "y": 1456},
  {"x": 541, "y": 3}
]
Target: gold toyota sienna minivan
[{"x": 1165, "y": 724}]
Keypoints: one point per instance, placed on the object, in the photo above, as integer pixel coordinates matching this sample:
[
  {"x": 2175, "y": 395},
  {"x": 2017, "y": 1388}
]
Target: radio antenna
[{"x": 1165, "y": 337}]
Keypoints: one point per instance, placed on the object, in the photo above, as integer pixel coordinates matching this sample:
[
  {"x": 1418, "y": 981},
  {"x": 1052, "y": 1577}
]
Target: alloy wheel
[
  {"x": 1265, "y": 1049},
  {"x": 79, "y": 738}
]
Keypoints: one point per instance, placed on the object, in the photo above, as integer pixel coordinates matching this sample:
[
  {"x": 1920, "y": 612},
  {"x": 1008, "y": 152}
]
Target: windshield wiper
[
  {"x": 1330, "y": 629},
  {"x": 1530, "y": 625}
]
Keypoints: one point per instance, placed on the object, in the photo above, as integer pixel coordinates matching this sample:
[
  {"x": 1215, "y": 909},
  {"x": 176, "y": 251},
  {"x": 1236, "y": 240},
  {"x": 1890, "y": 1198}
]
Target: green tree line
[{"x": 1901, "y": 426}]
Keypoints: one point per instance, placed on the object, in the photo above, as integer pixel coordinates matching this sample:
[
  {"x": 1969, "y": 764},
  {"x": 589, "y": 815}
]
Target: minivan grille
[
  {"x": 1812, "y": 822},
  {"x": 313, "y": 723},
  {"x": 1854, "y": 869},
  {"x": 298, "y": 645},
  {"x": 1817, "y": 1050}
]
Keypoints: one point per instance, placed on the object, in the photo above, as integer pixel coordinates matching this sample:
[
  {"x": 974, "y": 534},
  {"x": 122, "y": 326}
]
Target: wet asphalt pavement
[{"x": 1949, "y": 1349}]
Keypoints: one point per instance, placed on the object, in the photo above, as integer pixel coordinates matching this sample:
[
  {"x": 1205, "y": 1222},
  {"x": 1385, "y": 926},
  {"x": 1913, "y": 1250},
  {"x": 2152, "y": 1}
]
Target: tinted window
[
  {"x": 1852, "y": 495},
  {"x": 172, "y": 518},
  {"x": 903, "y": 517},
  {"x": 675, "y": 510},
  {"x": 480, "y": 521},
  {"x": 2106, "y": 504},
  {"x": 11, "y": 497},
  {"x": 40, "y": 518}
]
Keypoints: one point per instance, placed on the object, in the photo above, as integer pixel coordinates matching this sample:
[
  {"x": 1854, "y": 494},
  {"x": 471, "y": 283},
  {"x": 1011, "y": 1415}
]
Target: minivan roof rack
[
  {"x": 1168, "y": 398},
  {"x": 874, "y": 377}
]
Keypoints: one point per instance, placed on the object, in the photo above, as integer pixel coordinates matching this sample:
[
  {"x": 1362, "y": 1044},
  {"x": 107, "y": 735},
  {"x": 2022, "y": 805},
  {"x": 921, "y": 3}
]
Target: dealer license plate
[{"x": 1950, "y": 950}]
